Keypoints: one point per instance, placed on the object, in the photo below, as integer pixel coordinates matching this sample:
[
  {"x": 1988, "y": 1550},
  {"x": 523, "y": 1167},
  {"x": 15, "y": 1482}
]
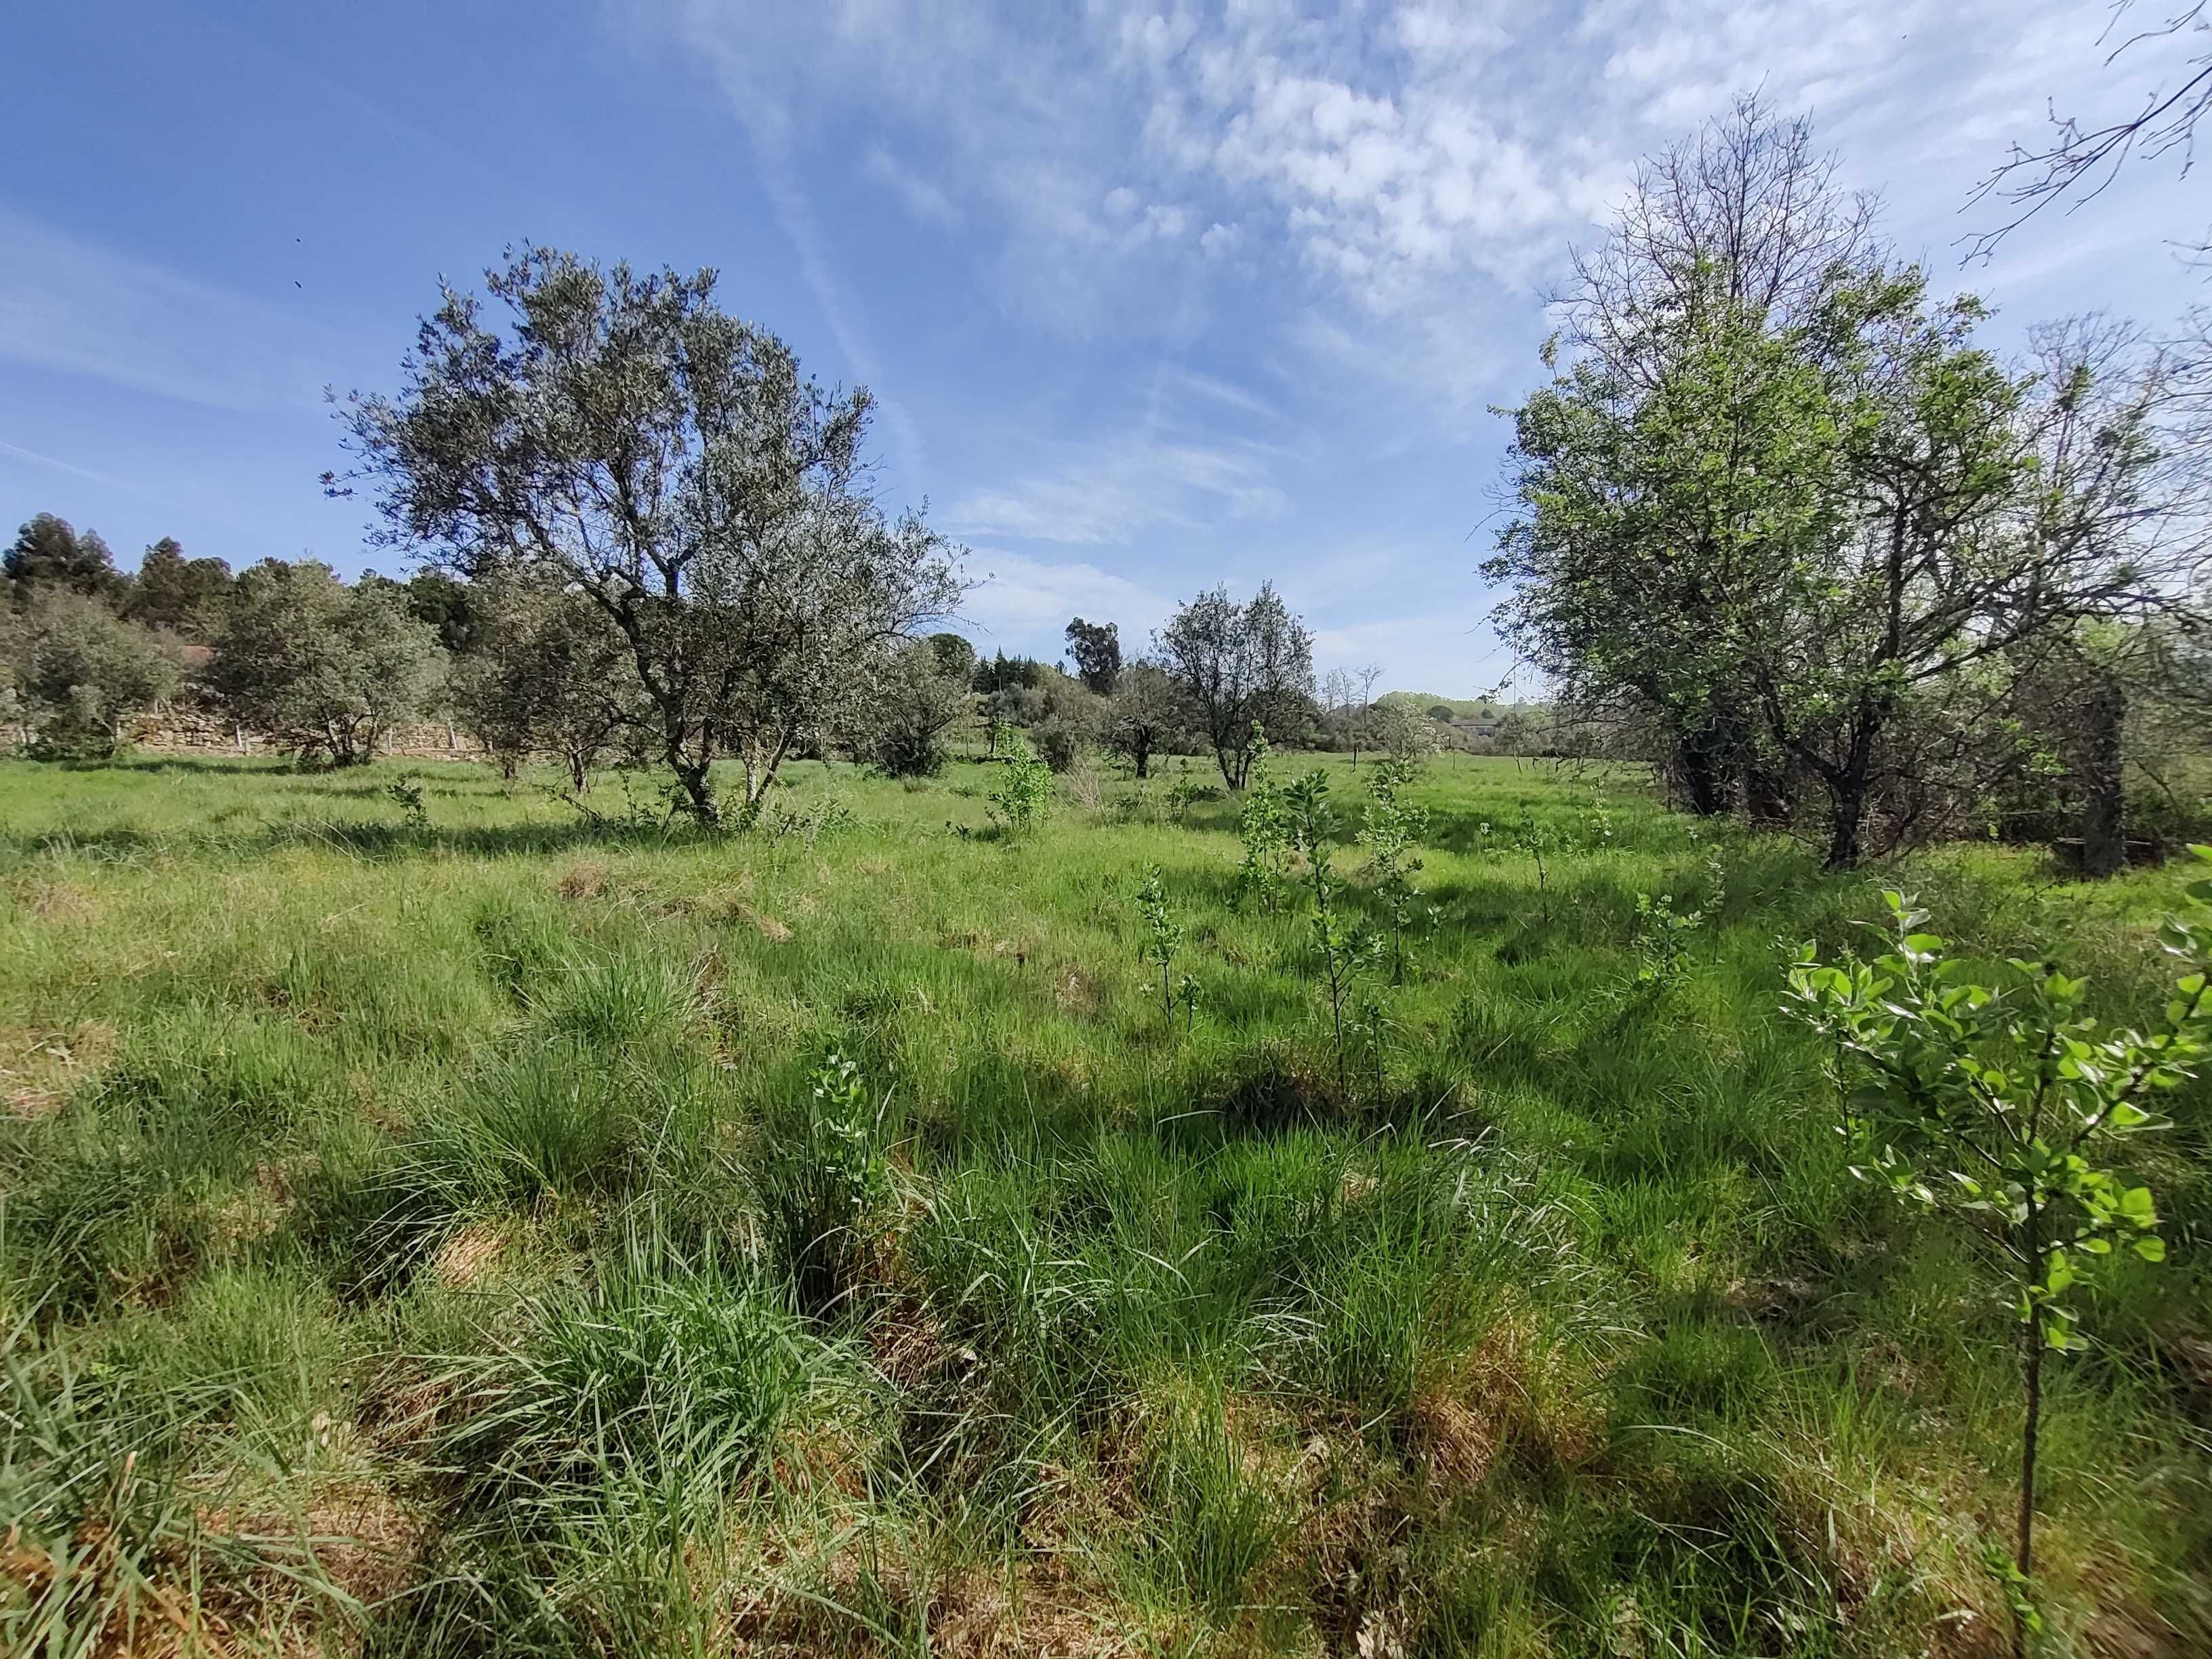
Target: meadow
[{"x": 453, "y": 1224}]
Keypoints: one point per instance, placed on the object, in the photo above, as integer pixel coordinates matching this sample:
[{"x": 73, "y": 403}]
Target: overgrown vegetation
[{"x": 452, "y": 1239}]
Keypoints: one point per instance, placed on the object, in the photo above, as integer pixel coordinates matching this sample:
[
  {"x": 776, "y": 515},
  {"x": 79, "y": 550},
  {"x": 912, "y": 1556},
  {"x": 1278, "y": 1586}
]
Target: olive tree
[
  {"x": 545, "y": 672},
  {"x": 1148, "y": 714},
  {"x": 1240, "y": 665},
  {"x": 80, "y": 673},
  {"x": 324, "y": 669},
  {"x": 624, "y": 436},
  {"x": 917, "y": 700}
]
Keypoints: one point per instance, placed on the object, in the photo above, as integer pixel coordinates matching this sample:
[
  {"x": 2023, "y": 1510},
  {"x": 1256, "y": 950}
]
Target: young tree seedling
[{"x": 1985, "y": 1099}]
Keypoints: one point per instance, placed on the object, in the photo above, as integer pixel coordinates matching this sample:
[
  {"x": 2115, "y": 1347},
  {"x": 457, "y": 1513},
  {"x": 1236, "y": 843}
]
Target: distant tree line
[
  {"x": 532, "y": 667},
  {"x": 642, "y": 535}
]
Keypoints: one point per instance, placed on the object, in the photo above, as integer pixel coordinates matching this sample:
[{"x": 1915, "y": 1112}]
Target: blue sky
[{"x": 1153, "y": 295}]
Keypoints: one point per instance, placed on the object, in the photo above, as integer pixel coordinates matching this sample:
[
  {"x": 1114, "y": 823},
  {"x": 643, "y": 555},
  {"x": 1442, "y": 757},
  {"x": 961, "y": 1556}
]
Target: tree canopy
[{"x": 627, "y": 437}]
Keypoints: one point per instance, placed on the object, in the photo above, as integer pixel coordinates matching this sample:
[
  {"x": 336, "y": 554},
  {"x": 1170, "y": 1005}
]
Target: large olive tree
[{"x": 624, "y": 436}]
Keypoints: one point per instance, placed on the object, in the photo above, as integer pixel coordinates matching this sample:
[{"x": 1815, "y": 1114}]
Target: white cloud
[
  {"x": 1023, "y": 604},
  {"x": 1405, "y": 165}
]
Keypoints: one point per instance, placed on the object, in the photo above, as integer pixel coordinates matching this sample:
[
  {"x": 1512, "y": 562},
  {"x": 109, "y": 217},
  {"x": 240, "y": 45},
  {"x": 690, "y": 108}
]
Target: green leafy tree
[
  {"x": 453, "y": 607},
  {"x": 1242, "y": 666},
  {"x": 915, "y": 703},
  {"x": 187, "y": 597},
  {"x": 954, "y": 655},
  {"x": 1147, "y": 716},
  {"x": 1095, "y": 648},
  {"x": 322, "y": 668},
  {"x": 81, "y": 673},
  {"x": 1991, "y": 1101},
  {"x": 1024, "y": 791},
  {"x": 625, "y": 436},
  {"x": 544, "y": 673},
  {"x": 48, "y": 554}
]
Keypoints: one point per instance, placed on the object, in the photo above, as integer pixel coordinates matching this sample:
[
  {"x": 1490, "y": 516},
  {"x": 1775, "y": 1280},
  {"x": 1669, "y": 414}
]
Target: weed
[
  {"x": 1390, "y": 831},
  {"x": 1163, "y": 934},
  {"x": 1023, "y": 790},
  {"x": 1263, "y": 825},
  {"x": 407, "y": 795},
  {"x": 1344, "y": 948}
]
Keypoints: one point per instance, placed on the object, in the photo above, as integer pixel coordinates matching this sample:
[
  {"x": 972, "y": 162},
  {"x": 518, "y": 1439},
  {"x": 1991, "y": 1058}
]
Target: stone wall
[{"x": 187, "y": 731}]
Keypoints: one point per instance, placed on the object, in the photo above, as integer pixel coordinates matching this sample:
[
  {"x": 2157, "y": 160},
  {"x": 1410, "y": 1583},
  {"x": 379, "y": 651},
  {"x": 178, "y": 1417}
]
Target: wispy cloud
[
  {"x": 1022, "y": 599},
  {"x": 1113, "y": 491},
  {"x": 922, "y": 198},
  {"x": 73, "y": 308},
  {"x": 1404, "y": 165}
]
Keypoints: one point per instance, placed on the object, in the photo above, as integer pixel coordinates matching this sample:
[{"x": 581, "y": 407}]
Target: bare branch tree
[{"x": 2079, "y": 160}]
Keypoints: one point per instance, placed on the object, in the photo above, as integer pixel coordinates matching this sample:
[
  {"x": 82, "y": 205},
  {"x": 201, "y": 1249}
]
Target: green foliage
[
  {"x": 1390, "y": 831},
  {"x": 1664, "y": 935},
  {"x": 822, "y": 1185},
  {"x": 1164, "y": 933},
  {"x": 1022, "y": 791},
  {"x": 324, "y": 669},
  {"x": 1263, "y": 825},
  {"x": 1990, "y": 1101},
  {"x": 914, "y": 702},
  {"x": 1985, "y": 1100},
  {"x": 1344, "y": 948},
  {"x": 82, "y": 672},
  {"x": 406, "y": 794},
  {"x": 618, "y": 434}
]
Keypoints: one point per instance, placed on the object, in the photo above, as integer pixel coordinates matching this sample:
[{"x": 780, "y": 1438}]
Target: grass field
[{"x": 428, "y": 1240}]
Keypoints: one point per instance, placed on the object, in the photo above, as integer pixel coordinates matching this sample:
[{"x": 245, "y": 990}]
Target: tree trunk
[
  {"x": 698, "y": 793},
  {"x": 1847, "y": 785},
  {"x": 1765, "y": 802},
  {"x": 576, "y": 772},
  {"x": 1142, "y": 755},
  {"x": 2104, "y": 805},
  {"x": 1699, "y": 757}
]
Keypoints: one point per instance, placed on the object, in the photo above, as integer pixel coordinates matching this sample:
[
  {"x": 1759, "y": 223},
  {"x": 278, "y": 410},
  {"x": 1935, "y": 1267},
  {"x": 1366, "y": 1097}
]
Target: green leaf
[{"x": 2151, "y": 1248}]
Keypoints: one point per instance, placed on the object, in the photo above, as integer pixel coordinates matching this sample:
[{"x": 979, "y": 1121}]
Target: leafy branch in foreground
[
  {"x": 1391, "y": 832},
  {"x": 1985, "y": 1104},
  {"x": 1163, "y": 935},
  {"x": 1345, "y": 947}
]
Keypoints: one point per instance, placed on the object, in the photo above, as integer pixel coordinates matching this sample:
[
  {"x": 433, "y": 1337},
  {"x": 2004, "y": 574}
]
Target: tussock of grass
[{"x": 421, "y": 1241}]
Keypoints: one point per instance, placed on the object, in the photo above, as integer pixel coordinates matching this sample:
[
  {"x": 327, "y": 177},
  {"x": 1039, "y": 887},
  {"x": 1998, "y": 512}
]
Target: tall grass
[{"x": 453, "y": 1240}]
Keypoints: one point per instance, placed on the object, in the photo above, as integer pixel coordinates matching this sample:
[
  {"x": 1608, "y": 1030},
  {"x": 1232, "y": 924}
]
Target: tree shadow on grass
[{"x": 378, "y": 843}]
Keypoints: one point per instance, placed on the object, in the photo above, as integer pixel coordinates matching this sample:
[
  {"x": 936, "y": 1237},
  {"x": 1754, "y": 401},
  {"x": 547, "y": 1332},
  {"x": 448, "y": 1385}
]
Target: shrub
[
  {"x": 1983, "y": 1101},
  {"x": 821, "y": 1183},
  {"x": 1018, "y": 800}
]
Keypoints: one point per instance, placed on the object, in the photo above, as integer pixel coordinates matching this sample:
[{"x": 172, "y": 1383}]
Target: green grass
[{"x": 431, "y": 1240}]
